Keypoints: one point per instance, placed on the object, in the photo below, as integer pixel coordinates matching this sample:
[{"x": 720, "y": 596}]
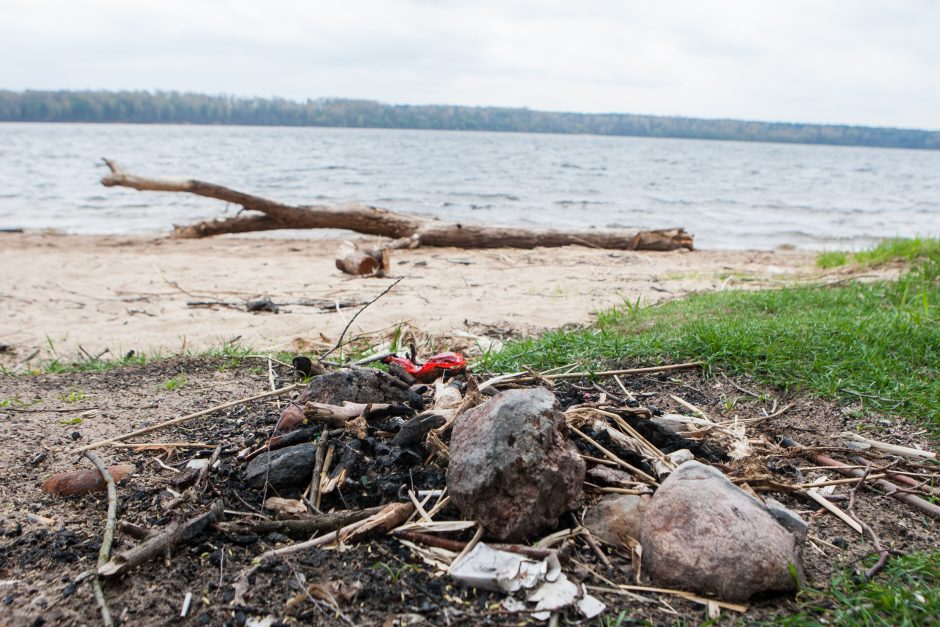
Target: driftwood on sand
[{"x": 406, "y": 230}]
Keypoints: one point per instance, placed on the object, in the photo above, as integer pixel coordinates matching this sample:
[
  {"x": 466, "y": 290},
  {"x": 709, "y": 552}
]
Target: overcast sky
[{"x": 873, "y": 62}]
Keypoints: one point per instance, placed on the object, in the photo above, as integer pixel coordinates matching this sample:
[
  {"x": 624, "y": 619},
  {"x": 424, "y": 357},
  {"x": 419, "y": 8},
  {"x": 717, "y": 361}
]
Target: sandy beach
[{"x": 123, "y": 293}]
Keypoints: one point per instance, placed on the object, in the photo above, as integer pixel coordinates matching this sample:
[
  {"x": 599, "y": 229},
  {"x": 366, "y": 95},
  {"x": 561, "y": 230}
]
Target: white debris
[
  {"x": 554, "y": 595},
  {"x": 502, "y": 571}
]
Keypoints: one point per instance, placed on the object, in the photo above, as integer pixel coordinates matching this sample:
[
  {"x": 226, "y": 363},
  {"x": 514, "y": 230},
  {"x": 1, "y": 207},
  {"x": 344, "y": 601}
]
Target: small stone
[
  {"x": 292, "y": 417},
  {"x": 616, "y": 517},
  {"x": 415, "y": 429},
  {"x": 288, "y": 467},
  {"x": 704, "y": 534},
  {"x": 511, "y": 467}
]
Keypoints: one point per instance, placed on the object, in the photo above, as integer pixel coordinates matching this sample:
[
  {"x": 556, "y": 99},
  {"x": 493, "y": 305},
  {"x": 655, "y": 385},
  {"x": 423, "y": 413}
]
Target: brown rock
[
  {"x": 704, "y": 534},
  {"x": 84, "y": 481},
  {"x": 616, "y": 517},
  {"x": 291, "y": 417},
  {"x": 511, "y": 467}
]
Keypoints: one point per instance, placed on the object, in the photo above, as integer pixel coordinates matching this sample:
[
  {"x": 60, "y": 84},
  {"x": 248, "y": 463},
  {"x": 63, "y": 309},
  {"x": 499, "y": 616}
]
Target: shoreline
[{"x": 62, "y": 295}]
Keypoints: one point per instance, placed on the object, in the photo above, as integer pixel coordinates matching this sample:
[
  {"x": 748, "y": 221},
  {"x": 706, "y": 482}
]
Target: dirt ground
[
  {"x": 67, "y": 296},
  {"x": 43, "y": 418}
]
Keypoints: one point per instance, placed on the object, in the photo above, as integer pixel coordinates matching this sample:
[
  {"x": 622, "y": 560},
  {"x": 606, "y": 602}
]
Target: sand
[{"x": 121, "y": 293}]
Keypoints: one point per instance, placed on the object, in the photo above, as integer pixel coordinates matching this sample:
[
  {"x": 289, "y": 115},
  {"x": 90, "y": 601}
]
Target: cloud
[{"x": 866, "y": 62}]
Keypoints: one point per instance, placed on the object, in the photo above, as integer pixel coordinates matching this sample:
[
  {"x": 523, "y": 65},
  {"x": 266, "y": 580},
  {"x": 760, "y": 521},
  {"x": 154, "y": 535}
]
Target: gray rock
[
  {"x": 617, "y": 516},
  {"x": 702, "y": 533},
  {"x": 511, "y": 467},
  {"x": 789, "y": 519},
  {"x": 359, "y": 385},
  {"x": 284, "y": 468}
]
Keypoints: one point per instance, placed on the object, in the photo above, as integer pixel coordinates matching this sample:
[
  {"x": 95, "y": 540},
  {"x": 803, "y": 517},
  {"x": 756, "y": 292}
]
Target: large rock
[
  {"x": 284, "y": 468},
  {"x": 616, "y": 517},
  {"x": 511, "y": 467},
  {"x": 359, "y": 385},
  {"x": 702, "y": 533}
]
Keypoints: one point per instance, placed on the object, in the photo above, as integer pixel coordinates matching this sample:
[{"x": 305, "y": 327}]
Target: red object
[{"x": 432, "y": 368}]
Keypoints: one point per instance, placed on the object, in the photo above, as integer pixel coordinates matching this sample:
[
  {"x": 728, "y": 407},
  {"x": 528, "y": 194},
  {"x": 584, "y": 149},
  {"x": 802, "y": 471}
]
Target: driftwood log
[{"x": 406, "y": 230}]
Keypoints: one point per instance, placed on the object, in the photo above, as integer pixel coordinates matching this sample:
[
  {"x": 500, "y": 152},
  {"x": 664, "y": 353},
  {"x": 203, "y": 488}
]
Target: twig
[
  {"x": 163, "y": 445},
  {"x": 625, "y": 589},
  {"x": 739, "y": 388},
  {"x": 876, "y": 542},
  {"x": 630, "y": 397},
  {"x": 819, "y": 498},
  {"x": 822, "y": 484},
  {"x": 304, "y": 527},
  {"x": 271, "y": 380},
  {"x": 105, "y": 551},
  {"x": 159, "y": 543},
  {"x": 639, "y": 473},
  {"x": 893, "y": 490},
  {"x": 389, "y": 516},
  {"x": 204, "y": 472},
  {"x": 314, "y": 491},
  {"x": 586, "y": 534},
  {"x": 459, "y": 545},
  {"x": 188, "y": 417},
  {"x": 892, "y": 449},
  {"x": 339, "y": 342},
  {"x": 604, "y": 373}
]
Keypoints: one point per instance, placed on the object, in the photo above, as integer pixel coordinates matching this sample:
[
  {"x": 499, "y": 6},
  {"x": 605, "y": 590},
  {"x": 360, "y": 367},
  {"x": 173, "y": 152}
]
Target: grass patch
[
  {"x": 878, "y": 343},
  {"x": 832, "y": 259},
  {"x": 175, "y": 383},
  {"x": 911, "y": 250},
  {"x": 906, "y": 593}
]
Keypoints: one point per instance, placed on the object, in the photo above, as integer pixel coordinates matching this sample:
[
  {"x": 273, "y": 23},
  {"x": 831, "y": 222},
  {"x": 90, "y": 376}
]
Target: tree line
[{"x": 168, "y": 107}]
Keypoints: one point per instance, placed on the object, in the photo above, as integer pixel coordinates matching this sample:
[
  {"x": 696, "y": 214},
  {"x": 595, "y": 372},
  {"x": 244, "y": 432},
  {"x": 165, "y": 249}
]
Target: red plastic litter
[{"x": 432, "y": 368}]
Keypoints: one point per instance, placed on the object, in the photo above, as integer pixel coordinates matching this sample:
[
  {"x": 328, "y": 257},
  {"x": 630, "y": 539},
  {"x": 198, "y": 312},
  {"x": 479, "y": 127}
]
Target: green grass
[
  {"x": 887, "y": 251},
  {"x": 906, "y": 593},
  {"x": 832, "y": 259},
  {"x": 175, "y": 383},
  {"x": 874, "y": 343}
]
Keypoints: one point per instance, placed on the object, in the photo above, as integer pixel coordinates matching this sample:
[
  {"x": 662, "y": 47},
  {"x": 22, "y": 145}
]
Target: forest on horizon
[{"x": 169, "y": 107}]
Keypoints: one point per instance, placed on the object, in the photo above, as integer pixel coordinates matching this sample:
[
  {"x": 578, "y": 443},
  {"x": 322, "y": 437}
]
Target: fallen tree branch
[{"x": 370, "y": 220}]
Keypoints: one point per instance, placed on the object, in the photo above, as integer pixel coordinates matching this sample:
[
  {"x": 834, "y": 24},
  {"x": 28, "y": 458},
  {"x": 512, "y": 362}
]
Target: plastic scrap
[
  {"x": 502, "y": 571},
  {"x": 433, "y": 368}
]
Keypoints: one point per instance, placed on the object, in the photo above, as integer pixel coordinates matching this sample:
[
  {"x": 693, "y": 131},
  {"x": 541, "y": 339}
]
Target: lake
[{"x": 733, "y": 195}]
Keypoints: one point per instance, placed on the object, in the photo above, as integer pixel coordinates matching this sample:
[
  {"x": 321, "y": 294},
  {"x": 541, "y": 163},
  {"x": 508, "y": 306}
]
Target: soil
[{"x": 45, "y": 417}]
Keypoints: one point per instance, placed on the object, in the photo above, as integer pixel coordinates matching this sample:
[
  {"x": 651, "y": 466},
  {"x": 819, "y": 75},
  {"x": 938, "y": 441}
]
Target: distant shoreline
[{"x": 153, "y": 108}]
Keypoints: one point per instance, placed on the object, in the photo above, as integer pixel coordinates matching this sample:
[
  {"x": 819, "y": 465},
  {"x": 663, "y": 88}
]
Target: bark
[{"x": 370, "y": 220}]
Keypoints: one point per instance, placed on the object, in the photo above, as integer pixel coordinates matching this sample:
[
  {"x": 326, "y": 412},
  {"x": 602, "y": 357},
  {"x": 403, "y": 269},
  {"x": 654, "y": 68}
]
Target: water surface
[{"x": 729, "y": 194}]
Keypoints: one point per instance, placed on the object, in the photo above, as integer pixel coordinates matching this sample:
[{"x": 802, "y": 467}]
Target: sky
[{"x": 868, "y": 62}]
